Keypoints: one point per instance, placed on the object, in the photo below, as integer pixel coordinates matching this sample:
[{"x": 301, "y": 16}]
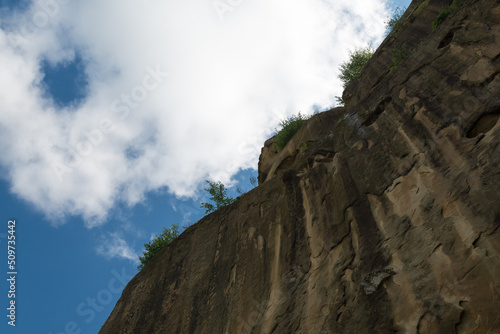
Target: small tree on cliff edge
[
  {"x": 351, "y": 70},
  {"x": 157, "y": 243},
  {"x": 218, "y": 195},
  {"x": 289, "y": 127}
]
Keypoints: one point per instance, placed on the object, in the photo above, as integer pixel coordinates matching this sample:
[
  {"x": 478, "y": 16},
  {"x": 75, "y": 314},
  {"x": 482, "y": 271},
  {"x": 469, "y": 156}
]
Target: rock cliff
[{"x": 379, "y": 217}]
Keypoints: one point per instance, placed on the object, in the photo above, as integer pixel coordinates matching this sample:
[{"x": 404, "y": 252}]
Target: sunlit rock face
[{"x": 385, "y": 221}]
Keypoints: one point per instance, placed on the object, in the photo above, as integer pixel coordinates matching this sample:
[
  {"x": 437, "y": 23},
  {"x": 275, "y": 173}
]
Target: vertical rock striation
[{"x": 386, "y": 221}]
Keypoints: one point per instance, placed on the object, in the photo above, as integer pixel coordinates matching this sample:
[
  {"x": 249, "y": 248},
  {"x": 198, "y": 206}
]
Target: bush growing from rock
[
  {"x": 218, "y": 194},
  {"x": 289, "y": 128},
  {"x": 443, "y": 15},
  {"x": 351, "y": 70},
  {"x": 393, "y": 22},
  {"x": 157, "y": 243}
]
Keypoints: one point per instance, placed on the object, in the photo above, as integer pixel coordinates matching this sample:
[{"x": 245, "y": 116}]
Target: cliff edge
[{"x": 379, "y": 217}]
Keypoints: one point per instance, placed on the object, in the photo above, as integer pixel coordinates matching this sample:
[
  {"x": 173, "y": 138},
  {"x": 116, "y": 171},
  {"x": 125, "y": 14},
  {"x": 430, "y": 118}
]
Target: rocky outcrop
[{"x": 379, "y": 217}]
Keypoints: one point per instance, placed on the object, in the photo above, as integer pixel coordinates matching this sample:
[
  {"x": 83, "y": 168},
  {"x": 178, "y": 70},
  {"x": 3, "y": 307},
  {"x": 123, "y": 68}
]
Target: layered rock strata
[{"x": 379, "y": 217}]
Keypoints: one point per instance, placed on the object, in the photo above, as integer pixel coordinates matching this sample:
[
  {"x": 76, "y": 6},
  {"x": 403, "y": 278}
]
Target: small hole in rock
[
  {"x": 378, "y": 111},
  {"x": 484, "y": 124},
  {"x": 446, "y": 40}
]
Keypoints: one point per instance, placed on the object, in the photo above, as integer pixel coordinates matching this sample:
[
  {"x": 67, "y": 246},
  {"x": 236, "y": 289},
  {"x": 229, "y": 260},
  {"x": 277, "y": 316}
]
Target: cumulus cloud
[
  {"x": 178, "y": 91},
  {"x": 112, "y": 246}
]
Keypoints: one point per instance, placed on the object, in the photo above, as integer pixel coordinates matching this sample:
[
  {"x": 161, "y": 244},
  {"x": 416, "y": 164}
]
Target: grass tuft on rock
[
  {"x": 289, "y": 128},
  {"x": 157, "y": 243},
  {"x": 443, "y": 15},
  {"x": 351, "y": 69}
]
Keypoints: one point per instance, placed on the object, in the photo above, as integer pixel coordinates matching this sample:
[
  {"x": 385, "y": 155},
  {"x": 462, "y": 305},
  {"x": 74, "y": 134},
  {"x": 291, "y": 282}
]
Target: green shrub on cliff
[
  {"x": 289, "y": 128},
  {"x": 393, "y": 22},
  {"x": 218, "y": 194},
  {"x": 351, "y": 70},
  {"x": 443, "y": 15},
  {"x": 157, "y": 243},
  {"x": 398, "y": 55}
]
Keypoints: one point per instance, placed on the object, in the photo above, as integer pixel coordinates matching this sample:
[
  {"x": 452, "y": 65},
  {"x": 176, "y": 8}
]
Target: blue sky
[{"x": 186, "y": 101}]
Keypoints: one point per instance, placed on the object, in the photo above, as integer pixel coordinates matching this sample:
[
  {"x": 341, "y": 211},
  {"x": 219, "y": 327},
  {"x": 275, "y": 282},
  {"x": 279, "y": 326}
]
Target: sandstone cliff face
[{"x": 385, "y": 221}]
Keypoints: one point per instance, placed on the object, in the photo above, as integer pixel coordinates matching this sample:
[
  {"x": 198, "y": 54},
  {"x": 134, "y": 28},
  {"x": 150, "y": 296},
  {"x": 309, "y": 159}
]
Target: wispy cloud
[
  {"x": 175, "y": 94},
  {"x": 112, "y": 245}
]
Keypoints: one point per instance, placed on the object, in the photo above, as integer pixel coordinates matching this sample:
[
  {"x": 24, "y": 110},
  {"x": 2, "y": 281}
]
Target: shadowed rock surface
[{"x": 385, "y": 221}]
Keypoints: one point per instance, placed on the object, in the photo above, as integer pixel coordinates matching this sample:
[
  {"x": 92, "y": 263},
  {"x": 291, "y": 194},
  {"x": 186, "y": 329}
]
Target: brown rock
[{"x": 387, "y": 223}]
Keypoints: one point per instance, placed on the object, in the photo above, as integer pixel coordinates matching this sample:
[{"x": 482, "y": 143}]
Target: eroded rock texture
[{"x": 385, "y": 221}]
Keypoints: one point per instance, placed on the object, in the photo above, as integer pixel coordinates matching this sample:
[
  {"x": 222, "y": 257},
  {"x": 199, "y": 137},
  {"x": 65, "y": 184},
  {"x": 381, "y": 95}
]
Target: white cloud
[
  {"x": 229, "y": 82},
  {"x": 113, "y": 246}
]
